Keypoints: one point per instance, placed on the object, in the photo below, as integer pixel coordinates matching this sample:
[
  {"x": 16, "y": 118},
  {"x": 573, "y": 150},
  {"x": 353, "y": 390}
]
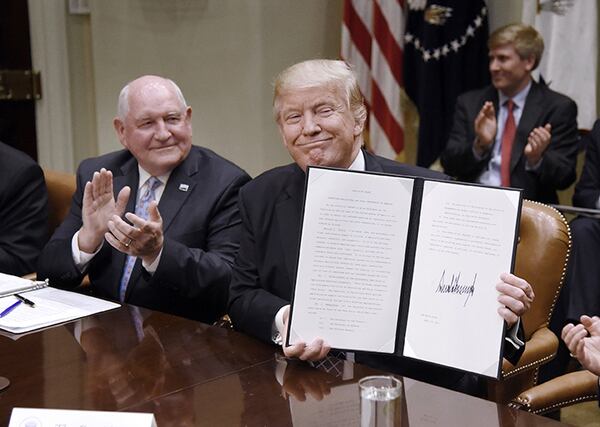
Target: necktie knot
[
  {"x": 509, "y": 106},
  {"x": 151, "y": 186}
]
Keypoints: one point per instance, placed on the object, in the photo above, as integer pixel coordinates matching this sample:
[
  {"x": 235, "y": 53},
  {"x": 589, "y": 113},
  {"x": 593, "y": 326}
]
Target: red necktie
[{"x": 508, "y": 138}]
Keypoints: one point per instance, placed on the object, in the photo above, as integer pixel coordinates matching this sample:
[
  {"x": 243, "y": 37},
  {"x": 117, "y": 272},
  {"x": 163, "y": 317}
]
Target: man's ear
[
  {"x": 530, "y": 63},
  {"x": 359, "y": 125},
  {"x": 120, "y": 130}
]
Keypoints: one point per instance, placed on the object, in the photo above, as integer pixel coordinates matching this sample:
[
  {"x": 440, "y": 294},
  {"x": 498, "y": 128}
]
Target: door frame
[{"x": 49, "y": 55}]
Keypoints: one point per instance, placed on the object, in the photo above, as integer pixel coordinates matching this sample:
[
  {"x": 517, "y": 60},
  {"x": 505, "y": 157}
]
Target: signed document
[
  {"x": 466, "y": 239},
  {"x": 403, "y": 265}
]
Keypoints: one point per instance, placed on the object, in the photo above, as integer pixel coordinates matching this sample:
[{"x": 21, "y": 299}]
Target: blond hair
[
  {"x": 321, "y": 73},
  {"x": 526, "y": 40}
]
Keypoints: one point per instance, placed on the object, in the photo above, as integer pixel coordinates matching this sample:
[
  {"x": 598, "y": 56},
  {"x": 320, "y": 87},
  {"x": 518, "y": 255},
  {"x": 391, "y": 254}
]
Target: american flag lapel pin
[{"x": 183, "y": 187}]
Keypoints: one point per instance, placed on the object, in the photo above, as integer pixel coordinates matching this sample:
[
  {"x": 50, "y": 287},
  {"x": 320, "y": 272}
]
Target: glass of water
[{"x": 380, "y": 398}]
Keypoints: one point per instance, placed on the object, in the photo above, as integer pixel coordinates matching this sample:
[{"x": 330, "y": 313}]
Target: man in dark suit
[
  {"x": 580, "y": 294},
  {"x": 517, "y": 132},
  {"x": 174, "y": 254},
  {"x": 321, "y": 115},
  {"x": 582, "y": 284},
  {"x": 23, "y": 211}
]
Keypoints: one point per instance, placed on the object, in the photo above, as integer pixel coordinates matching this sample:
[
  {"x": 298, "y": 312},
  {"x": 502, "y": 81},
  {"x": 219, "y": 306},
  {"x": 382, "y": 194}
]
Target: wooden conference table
[{"x": 191, "y": 374}]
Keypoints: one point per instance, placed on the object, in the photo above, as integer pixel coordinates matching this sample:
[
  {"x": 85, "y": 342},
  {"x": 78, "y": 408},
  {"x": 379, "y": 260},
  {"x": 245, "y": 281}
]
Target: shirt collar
[
  {"x": 518, "y": 99},
  {"x": 359, "y": 162},
  {"x": 145, "y": 175}
]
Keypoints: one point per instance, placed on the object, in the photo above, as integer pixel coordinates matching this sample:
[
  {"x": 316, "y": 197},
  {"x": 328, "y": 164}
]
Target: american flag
[{"x": 372, "y": 43}]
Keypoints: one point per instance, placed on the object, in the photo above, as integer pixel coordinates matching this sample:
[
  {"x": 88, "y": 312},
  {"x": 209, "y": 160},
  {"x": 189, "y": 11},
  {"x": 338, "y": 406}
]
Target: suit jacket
[
  {"x": 201, "y": 236},
  {"x": 23, "y": 211},
  {"x": 265, "y": 267},
  {"x": 542, "y": 106},
  {"x": 587, "y": 190}
]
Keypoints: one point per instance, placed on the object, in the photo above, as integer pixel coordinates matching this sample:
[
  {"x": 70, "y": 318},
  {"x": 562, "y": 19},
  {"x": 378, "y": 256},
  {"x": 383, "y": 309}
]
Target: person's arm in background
[{"x": 23, "y": 219}]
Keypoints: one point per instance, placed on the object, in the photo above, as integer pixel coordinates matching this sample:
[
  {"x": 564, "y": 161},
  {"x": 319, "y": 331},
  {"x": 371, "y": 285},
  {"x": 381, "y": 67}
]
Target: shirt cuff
[
  {"x": 535, "y": 167},
  {"x": 82, "y": 259},
  {"x": 151, "y": 268},
  {"x": 278, "y": 326},
  {"x": 511, "y": 335}
]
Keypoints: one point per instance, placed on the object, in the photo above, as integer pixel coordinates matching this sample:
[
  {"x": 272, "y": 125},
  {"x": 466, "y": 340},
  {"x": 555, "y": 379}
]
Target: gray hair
[{"x": 123, "y": 103}]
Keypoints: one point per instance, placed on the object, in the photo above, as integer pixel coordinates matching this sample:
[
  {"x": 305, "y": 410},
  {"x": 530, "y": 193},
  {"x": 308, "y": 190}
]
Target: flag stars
[
  {"x": 455, "y": 45},
  {"x": 445, "y": 50},
  {"x": 437, "y": 53},
  {"x": 426, "y": 55},
  {"x": 478, "y": 21},
  {"x": 470, "y": 31},
  {"x": 408, "y": 37}
]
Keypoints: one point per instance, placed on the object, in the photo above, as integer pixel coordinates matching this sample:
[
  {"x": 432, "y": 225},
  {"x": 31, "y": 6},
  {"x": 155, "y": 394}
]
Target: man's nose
[
  {"x": 311, "y": 126},
  {"x": 162, "y": 132},
  {"x": 494, "y": 66}
]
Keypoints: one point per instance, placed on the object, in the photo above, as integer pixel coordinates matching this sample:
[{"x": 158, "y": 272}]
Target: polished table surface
[{"x": 190, "y": 374}]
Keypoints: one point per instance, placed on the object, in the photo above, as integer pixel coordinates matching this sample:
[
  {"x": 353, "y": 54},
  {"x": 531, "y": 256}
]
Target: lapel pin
[{"x": 183, "y": 187}]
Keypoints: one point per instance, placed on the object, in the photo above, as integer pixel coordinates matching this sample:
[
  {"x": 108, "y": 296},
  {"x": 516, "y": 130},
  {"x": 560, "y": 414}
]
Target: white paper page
[
  {"x": 38, "y": 417},
  {"x": 351, "y": 259},
  {"x": 10, "y": 284},
  {"x": 433, "y": 406},
  {"x": 466, "y": 236},
  {"x": 52, "y": 306}
]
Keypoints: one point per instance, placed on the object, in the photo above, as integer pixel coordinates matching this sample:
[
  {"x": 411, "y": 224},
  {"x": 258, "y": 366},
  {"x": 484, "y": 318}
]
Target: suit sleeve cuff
[
  {"x": 151, "y": 268},
  {"x": 512, "y": 336}
]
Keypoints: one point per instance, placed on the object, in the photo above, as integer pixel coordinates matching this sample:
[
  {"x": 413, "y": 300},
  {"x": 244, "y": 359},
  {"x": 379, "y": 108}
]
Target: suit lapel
[
  {"x": 178, "y": 189},
  {"x": 371, "y": 163},
  {"x": 288, "y": 215},
  {"x": 532, "y": 110}
]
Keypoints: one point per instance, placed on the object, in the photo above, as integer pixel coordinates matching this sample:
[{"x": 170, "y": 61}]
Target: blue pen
[{"x": 10, "y": 308}]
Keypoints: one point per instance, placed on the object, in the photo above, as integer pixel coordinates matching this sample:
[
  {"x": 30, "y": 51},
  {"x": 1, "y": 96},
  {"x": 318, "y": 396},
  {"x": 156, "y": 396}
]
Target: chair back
[
  {"x": 61, "y": 187},
  {"x": 541, "y": 259},
  {"x": 542, "y": 253}
]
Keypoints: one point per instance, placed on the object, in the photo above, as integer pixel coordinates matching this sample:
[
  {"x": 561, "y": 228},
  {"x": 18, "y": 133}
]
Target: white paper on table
[
  {"x": 466, "y": 240},
  {"x": 37, "y": 417},
  {"x": 52, "y": 306},
  {"x": 351, "y": 259},
  {"x": 10, "y": 284}
]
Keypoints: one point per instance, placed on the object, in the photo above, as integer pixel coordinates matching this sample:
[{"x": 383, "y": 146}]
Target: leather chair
[
  {"x": 61, "y": 187},
  {"x": 541, "y": 258},
  {"x": 565, "y": 390}
]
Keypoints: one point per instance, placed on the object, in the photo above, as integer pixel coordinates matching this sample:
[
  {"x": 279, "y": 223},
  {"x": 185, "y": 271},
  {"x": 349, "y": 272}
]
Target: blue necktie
[{"x": 141, "y": 210}]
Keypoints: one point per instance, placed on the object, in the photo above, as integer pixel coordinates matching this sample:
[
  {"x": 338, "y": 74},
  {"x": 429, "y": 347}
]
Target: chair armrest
[
  {"x": 565, "y": 390},
  {"x": 540, "y": 349}
]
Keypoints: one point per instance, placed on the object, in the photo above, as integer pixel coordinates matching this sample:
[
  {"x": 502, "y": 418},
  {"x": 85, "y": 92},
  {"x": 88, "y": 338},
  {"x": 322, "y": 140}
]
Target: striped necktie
[{"x": 141, "y": 210}]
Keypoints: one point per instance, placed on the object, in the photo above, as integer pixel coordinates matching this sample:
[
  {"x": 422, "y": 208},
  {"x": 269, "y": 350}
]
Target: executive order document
[{"x": 404, "y": 265}]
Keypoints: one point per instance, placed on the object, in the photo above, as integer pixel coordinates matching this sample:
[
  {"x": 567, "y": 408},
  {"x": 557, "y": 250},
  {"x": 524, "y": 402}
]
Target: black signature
[{"x": 455, "y": 287}]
